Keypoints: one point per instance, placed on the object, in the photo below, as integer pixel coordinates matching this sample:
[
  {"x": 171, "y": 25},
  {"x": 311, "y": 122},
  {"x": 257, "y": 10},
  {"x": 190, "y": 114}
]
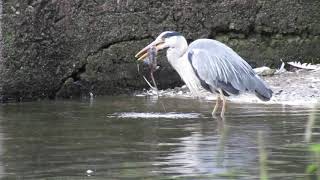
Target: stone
[
  {"x": 264, "y": 71},
  {"x": 93, "y": 42}
]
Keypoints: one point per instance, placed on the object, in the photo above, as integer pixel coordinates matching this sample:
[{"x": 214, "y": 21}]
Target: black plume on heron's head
[{"x": 168, "y": 34}]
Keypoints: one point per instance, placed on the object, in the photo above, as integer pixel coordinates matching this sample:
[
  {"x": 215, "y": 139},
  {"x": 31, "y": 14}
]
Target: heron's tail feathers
[
  {"x": 262, "y": 91},
  {"x": 264, "y": 97}
]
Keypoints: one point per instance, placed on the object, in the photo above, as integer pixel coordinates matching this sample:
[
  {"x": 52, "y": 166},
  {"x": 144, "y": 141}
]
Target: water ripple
[{"x": 168, "y": 115}]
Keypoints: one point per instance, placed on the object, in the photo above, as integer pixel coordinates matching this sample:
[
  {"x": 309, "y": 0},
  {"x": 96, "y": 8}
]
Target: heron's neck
[
  {"x": 179, "y": 61},
  {"x": 176, "y": 52}
]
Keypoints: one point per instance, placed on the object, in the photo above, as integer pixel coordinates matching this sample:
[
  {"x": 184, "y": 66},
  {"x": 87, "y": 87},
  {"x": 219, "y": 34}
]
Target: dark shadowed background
[{"x": 68, "y": 48}]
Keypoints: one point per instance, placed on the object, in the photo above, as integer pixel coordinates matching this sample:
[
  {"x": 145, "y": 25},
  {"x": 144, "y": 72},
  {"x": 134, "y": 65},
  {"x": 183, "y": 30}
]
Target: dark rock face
[{"x": 72, "y": 47}]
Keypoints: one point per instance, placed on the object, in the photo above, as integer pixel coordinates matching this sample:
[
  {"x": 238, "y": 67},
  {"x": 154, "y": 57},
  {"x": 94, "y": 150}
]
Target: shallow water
[{"x": 147, "y": 138}]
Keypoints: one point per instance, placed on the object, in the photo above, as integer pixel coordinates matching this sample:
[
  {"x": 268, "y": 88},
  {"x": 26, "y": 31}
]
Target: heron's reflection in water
[{"x": 210, "y": 149}]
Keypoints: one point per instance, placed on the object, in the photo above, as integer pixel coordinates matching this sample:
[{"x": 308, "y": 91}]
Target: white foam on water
[
  {"x": 168, "y": 115},
  {"x": 251, "y": 99}
]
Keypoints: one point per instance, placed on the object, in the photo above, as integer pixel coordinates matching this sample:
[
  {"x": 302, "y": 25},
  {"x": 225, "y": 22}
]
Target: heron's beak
[{"x": 141, "y": 55}]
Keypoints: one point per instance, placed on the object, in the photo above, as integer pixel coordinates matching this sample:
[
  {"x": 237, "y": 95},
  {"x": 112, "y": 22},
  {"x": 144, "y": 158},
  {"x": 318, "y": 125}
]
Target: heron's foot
[
  {"x": 218, "y": 116},
  {"x": 223, "y": 110},
  {"x": 224, "y": 104},
  {"x": 214, "y": 114},
  {"x": 215, "y": 109},
  {"x": 222, "y": 114}
]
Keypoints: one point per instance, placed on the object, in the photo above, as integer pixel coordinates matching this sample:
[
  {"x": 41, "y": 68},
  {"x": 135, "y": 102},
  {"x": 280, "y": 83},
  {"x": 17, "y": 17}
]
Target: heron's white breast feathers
[{"x": 187, "y": 74}]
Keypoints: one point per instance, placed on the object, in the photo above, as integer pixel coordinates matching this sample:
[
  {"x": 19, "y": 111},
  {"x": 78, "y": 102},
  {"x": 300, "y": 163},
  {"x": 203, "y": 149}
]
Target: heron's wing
[{"x": 220, "y": 67}]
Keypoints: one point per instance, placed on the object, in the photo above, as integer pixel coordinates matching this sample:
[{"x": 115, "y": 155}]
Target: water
[{"x": 144, "y": 138}]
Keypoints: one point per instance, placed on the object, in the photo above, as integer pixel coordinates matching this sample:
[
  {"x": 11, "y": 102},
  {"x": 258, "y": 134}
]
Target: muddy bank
[
  {"x": 70, "y": 48},
  {"x": 301, "y": 87}
]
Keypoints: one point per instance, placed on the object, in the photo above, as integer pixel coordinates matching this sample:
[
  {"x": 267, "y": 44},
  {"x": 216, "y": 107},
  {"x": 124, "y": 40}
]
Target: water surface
[{"x": 146, "y": 138}]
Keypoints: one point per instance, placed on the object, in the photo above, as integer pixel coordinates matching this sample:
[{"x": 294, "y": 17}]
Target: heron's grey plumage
[{"x": 221, "y": 68}]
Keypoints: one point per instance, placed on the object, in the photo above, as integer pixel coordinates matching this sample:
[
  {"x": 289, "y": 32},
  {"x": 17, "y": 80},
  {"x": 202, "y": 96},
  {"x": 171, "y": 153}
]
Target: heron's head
[{"x": 167, "y": 39}]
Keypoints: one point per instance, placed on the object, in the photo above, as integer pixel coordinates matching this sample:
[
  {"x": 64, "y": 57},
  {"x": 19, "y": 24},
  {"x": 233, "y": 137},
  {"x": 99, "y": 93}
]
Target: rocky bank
[
  {"x": 300, "y": 87},
  {"x": 69, "y": 48}
]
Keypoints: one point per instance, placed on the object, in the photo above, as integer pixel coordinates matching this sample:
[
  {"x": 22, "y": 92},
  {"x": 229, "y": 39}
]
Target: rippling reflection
[{"x": 68, "y": 139}]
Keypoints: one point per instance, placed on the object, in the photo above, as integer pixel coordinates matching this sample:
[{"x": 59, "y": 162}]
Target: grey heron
[{"x": 209, "y": 64}]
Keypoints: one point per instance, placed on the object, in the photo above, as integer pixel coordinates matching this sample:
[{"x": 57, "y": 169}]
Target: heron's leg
[
  {"x": 224, "y": 102},
  {"x": 216, "y": 106}
]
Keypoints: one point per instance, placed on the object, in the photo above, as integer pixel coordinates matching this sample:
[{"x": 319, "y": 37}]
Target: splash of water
[{"x": 169, "y": 115}]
